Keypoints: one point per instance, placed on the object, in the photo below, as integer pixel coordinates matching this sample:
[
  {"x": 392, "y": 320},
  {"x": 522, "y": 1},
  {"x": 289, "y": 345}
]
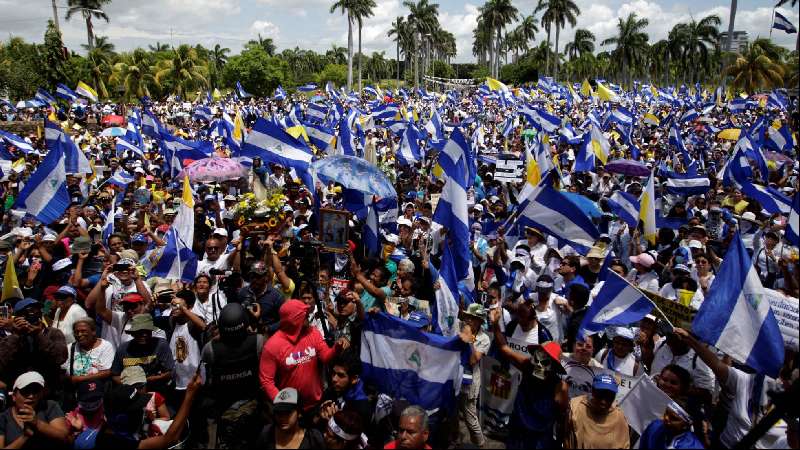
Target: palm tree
[
  {"x": 582, "y": 43},
  {"x": 100, "y": 69},
  {"x": 482, "y": 41},
  {"x": 101, "y": 43},
  {"x": 134, "y": 74},
  {"x": 546, "y": 21},
  {"x": 159, "y": 47},
  {"x": 754, "y": 70},
  {"x": 498, "y": 14},
  {"x": 184, "y": 69},
  {"x": 361, "y": 10},
  {"x": 695, "y": 39},
  {"x": 631, "y": 42},
  {"x": 267, "y": 44},
  {"x": 559, "y": 13},
  {"x": 731, "y": 21},
  {"x": 218, "y": 57},
  {"x": 527, "y": 30},
  {"x": 88, "y": 9},
  {"x": 347, "y": 6},
  {"x": 423, "y": 20},
  {"x": 336, "y": 55},
  {"x": 397, "y": 30}
]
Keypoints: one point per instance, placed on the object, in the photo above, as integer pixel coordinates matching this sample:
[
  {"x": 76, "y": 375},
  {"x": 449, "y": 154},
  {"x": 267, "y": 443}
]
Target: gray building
[{"x": 739, "y": 42}]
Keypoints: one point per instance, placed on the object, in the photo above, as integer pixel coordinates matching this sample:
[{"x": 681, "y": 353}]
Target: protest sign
[
  {"x": 677, "y": 313},
  {"x": 644, "y": 403},
  {"x": 509, "y": 170},
  {"x": 786, "y": 311},
  {"x": 500, "y": 382}
]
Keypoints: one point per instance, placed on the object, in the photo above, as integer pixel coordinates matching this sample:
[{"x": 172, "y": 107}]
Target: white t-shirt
[
  {"x": 736, "y": 395},
  {"x": 114, "y": 332},
  {"x": 74, "y": 313},
  {"x": 552, "y": 318},
  {"x": 90, "y": 362},
  {"x": 210, "y": 310},
  {"x": 187, "y": 355},
  {"x": 204, "y": 265},
  {"x": 520, "y": 339},
  {"x": 116, "y": 290}
]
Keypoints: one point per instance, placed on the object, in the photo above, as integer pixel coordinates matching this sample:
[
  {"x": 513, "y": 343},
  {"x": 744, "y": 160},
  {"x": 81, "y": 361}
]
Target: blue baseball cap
[
  {"x": 139, "y": 237},
  {"x": 605, "y": 382},
  {"x": 418, "y": 319},
  {"x": 67, "y": 290},
  {"x": 26, "y": 302}
]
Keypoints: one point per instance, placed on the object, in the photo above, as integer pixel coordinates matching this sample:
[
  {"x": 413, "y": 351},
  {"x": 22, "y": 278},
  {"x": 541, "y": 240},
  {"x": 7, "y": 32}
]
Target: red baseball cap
[
  {"x": 133, "y": 298},
  {"x": 553, "y": 349}
]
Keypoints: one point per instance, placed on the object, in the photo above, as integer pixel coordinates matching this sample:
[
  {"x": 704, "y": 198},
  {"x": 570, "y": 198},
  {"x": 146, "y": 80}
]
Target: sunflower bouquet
[{"x": 254, "y": 215}]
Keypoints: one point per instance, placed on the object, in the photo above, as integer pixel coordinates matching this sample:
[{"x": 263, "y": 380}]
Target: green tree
[
  {"x": 134, "y": 74},
  {"x": 498, "y": 14},
  {"x": 399, "y": 30},
  {"x": 362, "y": 9},
  {"x": 630, "y": 41},
  {"x": 54, "y": 57},
  {"x": 696, "y": 38},
  {"x": 184, "y": 70},
  {"x": 159, "y": 47},
  {"x": 561, "y": 12},
  {"x": 20, "y": 68},
  {"x": 101, "y": 43},
  {"x": 259, "y": 72},
  {"x": 99, "y": 65},
  {"x": 265, "y": 43},
  {"x": 335, "y": 73},
  {"x": 218, "y": 57},
  {"x": 581, "y": 44},
  {"x": 423, "y": 21},
  {"x": 754, "y": 70},
  {"x": 88, "y": 9}
]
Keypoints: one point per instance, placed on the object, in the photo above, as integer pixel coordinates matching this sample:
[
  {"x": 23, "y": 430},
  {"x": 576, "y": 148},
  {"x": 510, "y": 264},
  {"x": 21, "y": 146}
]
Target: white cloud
[{"x": 266, "y": 29}]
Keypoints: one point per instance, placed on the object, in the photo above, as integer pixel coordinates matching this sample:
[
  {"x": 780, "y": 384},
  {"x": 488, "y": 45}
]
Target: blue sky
[{"x": 308, "y": 24}]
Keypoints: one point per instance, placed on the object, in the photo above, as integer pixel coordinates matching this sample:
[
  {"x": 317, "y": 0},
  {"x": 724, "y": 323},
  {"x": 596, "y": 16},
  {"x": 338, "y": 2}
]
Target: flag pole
[{"x": 773, "y": 23}]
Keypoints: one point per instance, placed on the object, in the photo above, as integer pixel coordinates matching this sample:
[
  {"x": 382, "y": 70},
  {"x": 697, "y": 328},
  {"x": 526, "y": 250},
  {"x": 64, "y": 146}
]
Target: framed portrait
[{"x": 334, "y": 229}]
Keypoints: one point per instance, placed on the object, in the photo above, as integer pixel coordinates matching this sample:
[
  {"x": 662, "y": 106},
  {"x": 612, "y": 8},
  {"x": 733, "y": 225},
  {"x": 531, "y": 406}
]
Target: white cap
[
  {"x": 49, "y": 237},
  {"x": 220, "y": 231},
  {"x": 28, "y": 378},
  {"x": 404, "y": 221},
  {"x": 393, "y": 238},
  {"x": 139, "y": 170},
  {"x": 694, "y": 243},
  {"x": 478, "y": 207}
]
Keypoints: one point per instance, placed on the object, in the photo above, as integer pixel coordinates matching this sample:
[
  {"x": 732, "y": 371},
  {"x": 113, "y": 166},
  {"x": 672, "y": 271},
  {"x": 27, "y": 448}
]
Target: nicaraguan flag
[
  {"x": 17, "y": 141},
  {"x": 319, "y": 135},
  {"x": 274, "y": 145},
  {"x": 737, "y": 105},
  {"x": 330, "y": 89},
  {"x": 569, "y": 135},
  {"x": 45, "y": 195},
  {"x": 280, "y": 94},
  {"x": 66, "y": 93},
  {"x": 404, "y": 362},
  {"x": 151, "y": 126},
  {"x": 584, "y": 161},
  {"x": 75, "y": 162},
  {"x": 203, "y": 113},
  {"x": 120, "y": 178},
  {"x": 176, "y": 150},
  {"x": 553, "y": 213},
  {"x": 434, "y": 127},
  {"x": 617, "y": 303},
  {"x": 689, "y": 115},
  {"x": 770, "y": 199},
  {"x": 345, "y": 143},
  {"x": 445, "y": 315},
  {"x": 782, "y": 23},
  {"x": 43, "y": 95},
  {"x": 625, "y": 206},
  {"x": 409, "y": 153},
  {"x": 240, "y": 90},
  {"x": 316, "y": 112},
  {"x": 108, "y": 226},
  {"x": 688, "y": 186},
  {"x": 541, "y": 119},
  {"x": 793, "y": 226},
  {"x": 123, "y": 145},
  {"x": 736, "y": 317},
  {"x": 777, "y": 100},
  {"x": 779, "y": 139},
  {"x": 621, "y": 116},
  {"x": 310, "y": 87}
]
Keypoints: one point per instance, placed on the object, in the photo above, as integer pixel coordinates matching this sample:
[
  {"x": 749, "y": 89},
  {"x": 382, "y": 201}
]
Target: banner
[
  {"x": 499, "y": 384},
  {"x": 579, "y": 378},
  {"x": 678, "y": 314},
  {"x": 509, "y": 170},
  {"x": 786, "y": 311}
]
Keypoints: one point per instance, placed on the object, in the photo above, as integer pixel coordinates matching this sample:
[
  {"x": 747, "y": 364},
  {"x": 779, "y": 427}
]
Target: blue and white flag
[
  {"x": 770, "y": 199},
  {"x": 108, "y": 226},
  {"x": 409, "y": 153},
  {"x": 625, "y": 206},
  {"x": 66, "y": 93},
  {"x": 44, "y": 96},
  {"x": 346, "y": 142},
  {"x": 793, "y": 226},
  {"x": 309, "y": 87},
  {"x": 316, "y": 112},
  {"x": 434, "y": 127},
  {"x": 445, "y": 314},
  {"x": 45, "y": 195},
  {"x": 782, "y": 23},
  {"x": 280, "y": 94},
  {"x": 541, "y": 119},
  {"x": 17, "y": 141},
  {"x": 569, "y": 135},
  {"x": 274, "y": 145},
  {"x": 737, "y": 105},
  {"x": 240, "y": 90},
  {"x": 151, "y": 126},
  {"x": 123, "y": 145},
  {"x": 319, "y": 135},
  {"x": 617, "y": 303},
  {"x": 621, "y": 116},
  {"x": 330, "y": 89},
  {"x": 203, "y": 113},
  {"x": 120, "y": 178},
  {"x": 779, "y": 140},
  {"x": 689, "y": 115},
  {"x": 177, "y": 260},
  {"x": 687, "y": 186},
  {"x": 75, "y": 162},
  {"x": 404, "y": 362},
  {"x": 553, "y": 213},
  {"x": 736, "y": 317},
  {"x": 176, "y": 150},
  {"x": 777, "y": 100}
]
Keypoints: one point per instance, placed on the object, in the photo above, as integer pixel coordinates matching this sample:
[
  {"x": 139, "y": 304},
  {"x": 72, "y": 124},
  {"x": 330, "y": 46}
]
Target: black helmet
[{"x": 232, "y": 321}]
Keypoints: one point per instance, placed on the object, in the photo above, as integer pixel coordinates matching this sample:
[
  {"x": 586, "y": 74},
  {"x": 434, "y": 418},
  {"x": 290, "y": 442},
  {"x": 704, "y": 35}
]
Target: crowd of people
[{"x": 262, "y": 345}]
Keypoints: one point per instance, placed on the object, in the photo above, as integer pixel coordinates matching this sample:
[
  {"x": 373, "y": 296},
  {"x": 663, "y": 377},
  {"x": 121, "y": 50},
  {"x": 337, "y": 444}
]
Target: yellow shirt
[{"x": 738, "y": 207}]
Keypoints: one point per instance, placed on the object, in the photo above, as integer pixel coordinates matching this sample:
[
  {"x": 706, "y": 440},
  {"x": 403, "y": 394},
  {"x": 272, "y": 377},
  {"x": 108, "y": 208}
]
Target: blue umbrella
[
  {"x": 354, "y": 173},
  {"x": 29, "y": 104},
  {"x": 587, "y": 206},
  {"x": 114, "y": 131},
  {"x": 627, "y": 167}
]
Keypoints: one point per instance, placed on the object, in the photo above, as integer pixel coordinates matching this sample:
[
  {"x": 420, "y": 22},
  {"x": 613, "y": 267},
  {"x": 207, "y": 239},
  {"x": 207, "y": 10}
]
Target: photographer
[{"x": 32, "y": 346}]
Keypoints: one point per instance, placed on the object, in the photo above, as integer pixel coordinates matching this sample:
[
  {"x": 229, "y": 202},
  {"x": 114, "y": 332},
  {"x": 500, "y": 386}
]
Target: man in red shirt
[
  {"x": 413, "y": 430},
  {"x": 294, "y": 356}
]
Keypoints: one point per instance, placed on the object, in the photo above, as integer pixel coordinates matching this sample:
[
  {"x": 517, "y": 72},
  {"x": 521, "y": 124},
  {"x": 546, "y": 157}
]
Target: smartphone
[{"x": 5, "y": 313}]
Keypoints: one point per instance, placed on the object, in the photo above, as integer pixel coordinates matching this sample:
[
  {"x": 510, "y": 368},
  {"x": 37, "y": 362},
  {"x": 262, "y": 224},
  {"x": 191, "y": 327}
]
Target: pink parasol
[{"x": 213, "y": 169}]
